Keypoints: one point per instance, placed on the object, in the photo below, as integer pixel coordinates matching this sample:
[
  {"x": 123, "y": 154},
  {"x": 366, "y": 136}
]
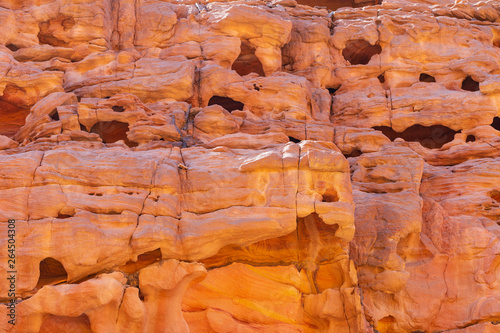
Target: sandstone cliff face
[{"x": 251, "y": 166}]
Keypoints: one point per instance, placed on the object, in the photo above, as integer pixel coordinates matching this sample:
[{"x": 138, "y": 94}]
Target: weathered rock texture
[{"x": 251, "y": 166}]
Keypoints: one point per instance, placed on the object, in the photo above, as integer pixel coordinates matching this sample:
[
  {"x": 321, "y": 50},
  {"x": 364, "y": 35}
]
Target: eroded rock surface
[{"x": 251, "y": 166}]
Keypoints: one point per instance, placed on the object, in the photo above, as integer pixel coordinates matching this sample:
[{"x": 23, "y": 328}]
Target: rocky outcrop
[{"x": 250, "y": 166}]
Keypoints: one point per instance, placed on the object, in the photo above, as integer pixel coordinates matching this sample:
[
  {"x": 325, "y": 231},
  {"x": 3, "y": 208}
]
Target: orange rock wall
[{"x": 250, "y": 166}]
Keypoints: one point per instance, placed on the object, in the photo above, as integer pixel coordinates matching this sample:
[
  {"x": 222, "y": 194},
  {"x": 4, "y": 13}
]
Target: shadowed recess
[
  {"x": 13, "y": 110},
  {"x": 247, "y": 61},
  {"x": 226, "y": 102},
  {"x": 385, "y": 324},
  {"x": 470, "y": 138},
  {"x": 51, "y": 324},
  {"x": 359, "y": 51},
  {"x": 12, "y": 47},
  {"x": 495, "y": 195},
  {"x": 381, "y": 78},
  {"x": 47, "y": 29},
  {"x": 431, "y": 137},
  {"x": 112, "y": 131},
  {"x": 51, "y": 272},
  {"x": 332, "y": 91},
  {"x": 469, "y": 84},
  {"x": 426, "y": 78},
  {"x": 336, "y": 4},
  {"x": 496, "y": 123},
  {"x": 143, "y": 260}
]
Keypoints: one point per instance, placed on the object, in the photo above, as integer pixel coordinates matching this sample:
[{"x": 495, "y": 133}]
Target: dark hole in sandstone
[
  {"x": 495, "y": 195},
  {"x": 330, "y": 196},
  {"x": 51, "y": 272},
  {"x": 247, "y": 61},
  {"x": 117, "y": 108},
  {"x": 381, "y": 78},
  {"x": 112, "y": 131},
  {"x": 143, "y": 260},
  {"x": 355, "y": 153},
  {"x": 470, "y": 138},
  {"x": 226, "y": 102},
  {"x": 13, "y": 110},
  {"x": 63, "y": 216},
  {"x": 359, "y": 51},
  {"x": 469, "y": 84},
  {"x": 336, "y": 4},
  {"x": 426, "y": 78},
  {"x": 83, "y": 128},
  {"x": 332, "y": 90},
  {"x": 292, "y": 139},
  {"x": 12, "y": 47},
  {"x": 431, "y": 137},
  {"x": 54, "y": 116},
  {"x": 256, "y": 87},
  {"x": 51, "y": 323},
  {"x": 496, "y": 123}
]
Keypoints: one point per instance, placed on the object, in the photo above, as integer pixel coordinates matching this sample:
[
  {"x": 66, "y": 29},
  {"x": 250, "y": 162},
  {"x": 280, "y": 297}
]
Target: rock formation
[{"x": 250, "y": 166}]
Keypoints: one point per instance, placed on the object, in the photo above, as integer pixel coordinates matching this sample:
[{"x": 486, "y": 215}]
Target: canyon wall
[{"x": 250, "y": 166}]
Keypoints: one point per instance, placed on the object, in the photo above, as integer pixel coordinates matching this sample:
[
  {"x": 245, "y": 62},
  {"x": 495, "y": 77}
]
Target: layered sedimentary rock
[{"x": 251, "y": 166}]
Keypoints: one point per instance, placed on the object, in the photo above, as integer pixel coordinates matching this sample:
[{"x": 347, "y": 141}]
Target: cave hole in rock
[
  {"x": 227, "y": 103},
  {"x": 431, "y": 137},
  {"x": 332, "y": 91},
  {"x": 495, "y": 195},
  {"x": 52, "y": 323},
  {"x": 143, "y": 260},
  {"x": 470, "y": 84},
  {"x": 112, "y": 131},
  {"x": 470, "y": 138},
  {"x": 12, "y": 47},
  {"x": 295, "y": 140},
  {"x": 51, "y": 272},
  {"x": 496, "y": 42},
  {"x": 355, "y": 153},
  {"x": 359, "y": 51},
  {"x": 330, "y": 196},
  {"x": 47, "y": 28},
  {"x": 54, "y": 115},
  {"x": 13, "y": 110},
  {"x": 496, "y": 123},
  {"x": 381, "y": 78},
  {"x": 334, "y": 5},
  {"x": 64, "y": 216},
  {"x": 426, "y": 78},
  {"x": 247, "y": 62},
  {"x": 118, "y": 108}
]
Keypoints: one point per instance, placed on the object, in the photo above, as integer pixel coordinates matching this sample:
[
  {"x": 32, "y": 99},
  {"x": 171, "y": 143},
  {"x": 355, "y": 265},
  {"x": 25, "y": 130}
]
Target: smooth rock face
[{"x": 250, "y": 166}]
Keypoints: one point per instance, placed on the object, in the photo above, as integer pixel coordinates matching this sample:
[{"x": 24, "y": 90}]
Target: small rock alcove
[
  {"x": 47, "y": 29},
  {"x": 13, "y": 110},
  {"x": 51, "y": 272},
  {"x": 496, "y": 123},
  {"x": 227, "y": 103},
  {"x": 359, "y": 51},
  {"x": 470, "y": 84},
  {"x": 247, "y": 62},
  {"x": 112, "y": 131},
  {"x": 432, "y": 137},
  {"x": 426, "y": 78}
]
